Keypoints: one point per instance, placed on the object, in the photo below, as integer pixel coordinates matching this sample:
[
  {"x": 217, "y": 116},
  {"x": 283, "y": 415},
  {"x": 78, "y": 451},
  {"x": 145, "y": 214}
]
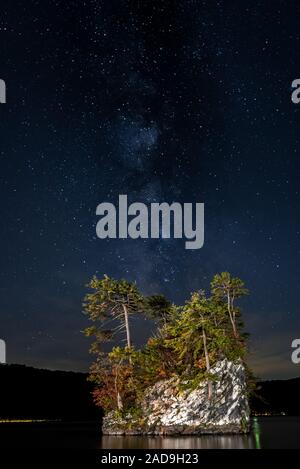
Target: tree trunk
[
  {"x": 232, "y": 319},
  {"x": 119, "y": 398},
  {"x": 209, "y": 383},
  {"x": 127, "y": 326},
  {"x": 119, "y": 401}
]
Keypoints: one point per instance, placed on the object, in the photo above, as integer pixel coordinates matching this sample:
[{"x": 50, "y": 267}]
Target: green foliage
[
  {"x": 188, "y": 342},
  {"x": 227, "y": 289},
  {"x": 109, "y": 296},
  {"x": 223, "y": 284},
  {"x": 111, "y": 301},
  {"x": 159, "y": 308}
]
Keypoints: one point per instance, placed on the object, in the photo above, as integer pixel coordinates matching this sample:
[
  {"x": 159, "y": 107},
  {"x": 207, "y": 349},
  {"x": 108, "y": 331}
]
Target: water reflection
[
  {"x": 256, "y": 433},
  {"x": 267, "y": 432},
  {"x": 183, "y": 442}
]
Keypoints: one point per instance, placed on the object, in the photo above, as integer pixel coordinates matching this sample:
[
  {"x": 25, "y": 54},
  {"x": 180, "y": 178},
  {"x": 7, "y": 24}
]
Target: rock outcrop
[{"x": 167, "y": 409}]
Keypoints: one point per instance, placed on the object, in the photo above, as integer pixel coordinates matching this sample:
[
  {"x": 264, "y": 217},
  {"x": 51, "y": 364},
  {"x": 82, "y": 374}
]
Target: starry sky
[{"x": 186, "y": 101}]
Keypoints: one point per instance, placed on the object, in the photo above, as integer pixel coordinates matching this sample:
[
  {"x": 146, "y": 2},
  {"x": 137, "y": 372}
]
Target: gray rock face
[{"x": 167, "y": 410}]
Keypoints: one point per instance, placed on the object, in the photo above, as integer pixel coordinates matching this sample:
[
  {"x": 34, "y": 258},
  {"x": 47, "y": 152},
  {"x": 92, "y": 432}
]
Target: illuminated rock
[{"x": 167, "y": 409}]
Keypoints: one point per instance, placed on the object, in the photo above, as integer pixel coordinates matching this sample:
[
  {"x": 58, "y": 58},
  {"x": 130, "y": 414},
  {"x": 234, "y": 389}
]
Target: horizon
[{"x": 87, "y": 372}]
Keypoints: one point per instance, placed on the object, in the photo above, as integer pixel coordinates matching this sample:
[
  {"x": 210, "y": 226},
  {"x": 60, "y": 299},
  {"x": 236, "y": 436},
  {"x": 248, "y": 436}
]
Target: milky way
[{"x": 163, "y": 101}]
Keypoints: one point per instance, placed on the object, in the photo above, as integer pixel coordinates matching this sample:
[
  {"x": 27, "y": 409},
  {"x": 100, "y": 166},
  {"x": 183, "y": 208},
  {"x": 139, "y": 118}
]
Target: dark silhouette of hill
[
  {"x": 30, "y": 393},
  {"x": 277, "y": 396},
  {"x": 27, "y": 392}
]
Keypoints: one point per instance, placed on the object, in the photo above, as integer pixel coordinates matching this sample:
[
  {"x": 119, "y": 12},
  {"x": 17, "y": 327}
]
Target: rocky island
[
  {"x": 189, "y": 379},
  {"x": 167, "y": 411}
]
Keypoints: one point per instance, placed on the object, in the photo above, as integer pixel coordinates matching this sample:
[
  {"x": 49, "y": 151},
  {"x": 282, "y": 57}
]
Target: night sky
[{"x": 186, "y": 101}]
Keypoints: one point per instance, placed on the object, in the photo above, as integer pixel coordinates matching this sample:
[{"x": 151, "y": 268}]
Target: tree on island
[
  {"x": 159, "y": 308},
  {"x": 228, "y": 288},
  {"x": 189, "y": 339},
  {"x": 190, "y": 336},
  {"x": 112, "y": 300}
]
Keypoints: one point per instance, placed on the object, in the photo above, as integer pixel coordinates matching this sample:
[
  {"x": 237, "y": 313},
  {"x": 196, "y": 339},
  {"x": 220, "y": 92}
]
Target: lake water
[{"x": 267, "y": 432}]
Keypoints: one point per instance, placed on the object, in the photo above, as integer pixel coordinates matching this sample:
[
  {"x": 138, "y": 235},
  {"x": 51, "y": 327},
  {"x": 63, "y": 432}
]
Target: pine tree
[
  {"x": 227, "y": 288},
  {"x": 112, "y": 301},
  {"x": 188, "y": 342},
  {"x": 159, "y": 308}
]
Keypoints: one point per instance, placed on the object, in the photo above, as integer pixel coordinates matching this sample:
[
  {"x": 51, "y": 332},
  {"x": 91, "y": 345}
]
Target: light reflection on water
[
  {"x": 250, "y": 441},
  {"x": 266, "y": 432},
  {"x": 183, "y": 442}
]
